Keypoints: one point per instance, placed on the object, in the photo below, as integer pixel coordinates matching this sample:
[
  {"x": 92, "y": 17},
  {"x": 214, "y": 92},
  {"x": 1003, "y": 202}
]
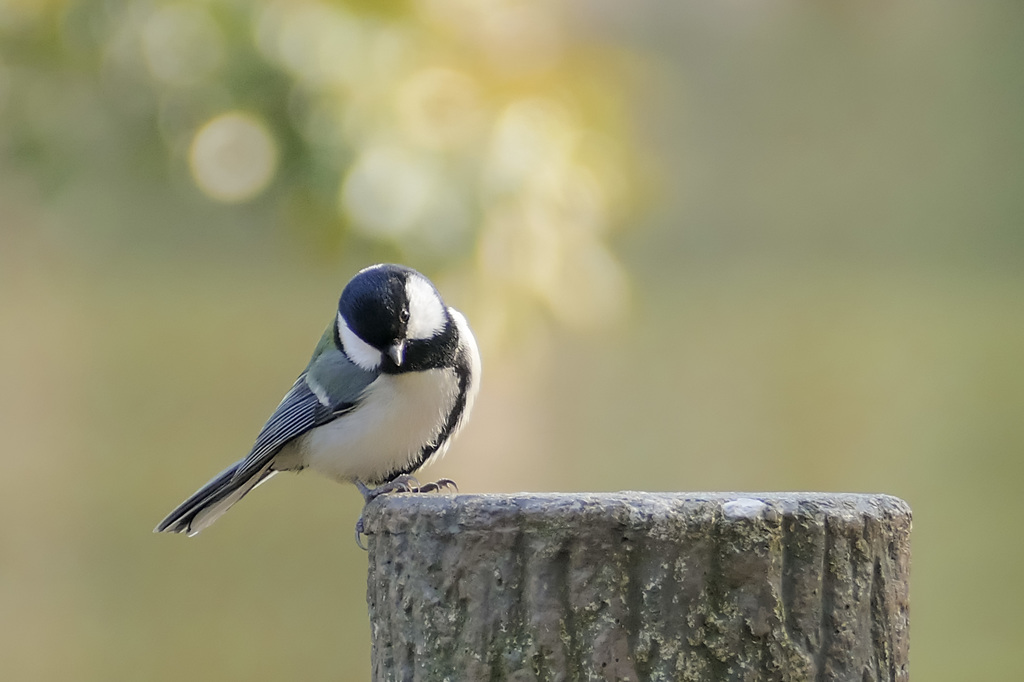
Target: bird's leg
[{"x": 400, "y": 484}]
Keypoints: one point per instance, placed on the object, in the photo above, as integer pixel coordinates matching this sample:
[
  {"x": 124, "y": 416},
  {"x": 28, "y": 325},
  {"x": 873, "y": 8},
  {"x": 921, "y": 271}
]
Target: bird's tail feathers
[{"x": 208, "y": 503}]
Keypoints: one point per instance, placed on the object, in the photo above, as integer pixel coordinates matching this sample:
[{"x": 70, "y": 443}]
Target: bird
[{"x": 390, "y": 384}]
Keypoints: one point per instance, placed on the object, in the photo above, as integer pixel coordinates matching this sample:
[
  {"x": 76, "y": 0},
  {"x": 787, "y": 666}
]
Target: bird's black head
[{"x": 391, "y": 318}]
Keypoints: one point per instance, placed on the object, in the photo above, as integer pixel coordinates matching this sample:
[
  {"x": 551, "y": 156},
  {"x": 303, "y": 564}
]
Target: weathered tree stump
[{"x": 639, "y": 586}]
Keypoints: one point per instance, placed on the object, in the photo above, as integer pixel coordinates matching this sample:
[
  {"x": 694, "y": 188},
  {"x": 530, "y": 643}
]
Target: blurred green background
[{"x": 735, "y": 245}]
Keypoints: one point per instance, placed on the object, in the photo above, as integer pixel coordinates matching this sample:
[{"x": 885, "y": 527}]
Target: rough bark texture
[{"x": 639, "y": 586}]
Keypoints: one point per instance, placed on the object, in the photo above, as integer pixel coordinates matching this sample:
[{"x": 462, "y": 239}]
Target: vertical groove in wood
[{"x": 638, "y": 586}]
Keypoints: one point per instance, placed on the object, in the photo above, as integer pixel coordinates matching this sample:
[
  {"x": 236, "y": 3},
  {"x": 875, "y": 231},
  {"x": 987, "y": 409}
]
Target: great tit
[{"x": 391, "y": 382}]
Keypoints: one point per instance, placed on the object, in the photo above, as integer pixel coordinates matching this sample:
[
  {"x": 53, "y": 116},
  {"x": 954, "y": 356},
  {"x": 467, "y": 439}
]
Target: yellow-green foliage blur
[{"x": 740, "y": 245}]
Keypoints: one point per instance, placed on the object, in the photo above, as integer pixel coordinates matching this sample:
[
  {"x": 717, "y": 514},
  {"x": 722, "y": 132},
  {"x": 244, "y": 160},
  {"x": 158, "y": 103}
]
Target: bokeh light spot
[
  {"x": 387, "y": 191},
  {"x": 233, "y": 157},
  {"x": 320, "y": 44},
  {"x": 515, "y": 37},
  {"x": 181, "y": 44},
  {"x": 440, "y": 108},
  {"x": 529, "y": 136}
]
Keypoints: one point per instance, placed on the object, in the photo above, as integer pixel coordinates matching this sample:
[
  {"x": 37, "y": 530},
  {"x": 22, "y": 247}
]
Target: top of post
[{"x": 405, "y": 513}]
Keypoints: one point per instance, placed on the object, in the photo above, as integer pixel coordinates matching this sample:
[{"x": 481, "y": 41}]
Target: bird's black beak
[{"x": 397, "y": 353}]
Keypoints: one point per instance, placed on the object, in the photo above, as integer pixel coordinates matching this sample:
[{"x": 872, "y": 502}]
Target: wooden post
[{"x": 639, "y": 586}]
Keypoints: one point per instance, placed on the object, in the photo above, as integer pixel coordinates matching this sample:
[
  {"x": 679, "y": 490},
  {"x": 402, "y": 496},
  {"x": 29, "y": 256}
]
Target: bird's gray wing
[{"x": 330, "y": 387}]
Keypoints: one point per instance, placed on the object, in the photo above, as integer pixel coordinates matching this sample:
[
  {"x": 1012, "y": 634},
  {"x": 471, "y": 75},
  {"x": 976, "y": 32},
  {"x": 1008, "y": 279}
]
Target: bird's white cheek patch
[
  {"x": 357, "y": 350},
  {"x": 426, "y": 311}
]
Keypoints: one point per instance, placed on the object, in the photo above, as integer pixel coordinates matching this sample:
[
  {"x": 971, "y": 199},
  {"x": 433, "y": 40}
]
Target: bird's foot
[{"x": 400, "y": 484}]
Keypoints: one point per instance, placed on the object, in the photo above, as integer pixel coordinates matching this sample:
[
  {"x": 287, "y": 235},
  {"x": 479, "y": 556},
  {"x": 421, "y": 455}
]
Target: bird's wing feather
[
  {"x": 299, "y": 411},
  {"x": 330, "y": 387}
]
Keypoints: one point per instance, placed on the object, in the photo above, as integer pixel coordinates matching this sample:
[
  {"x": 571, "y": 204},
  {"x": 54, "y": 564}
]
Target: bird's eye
[{"x": 404, "y": 315}]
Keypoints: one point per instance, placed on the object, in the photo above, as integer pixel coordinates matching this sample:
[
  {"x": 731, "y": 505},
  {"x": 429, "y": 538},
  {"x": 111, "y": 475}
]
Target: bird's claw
[
  {"x": 360, "y": 533},
  {"x": 438, "y": 485}
]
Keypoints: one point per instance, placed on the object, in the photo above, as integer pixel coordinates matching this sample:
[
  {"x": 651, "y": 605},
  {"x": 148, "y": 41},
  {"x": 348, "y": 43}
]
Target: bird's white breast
[{"x": 397, "y": 416}]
